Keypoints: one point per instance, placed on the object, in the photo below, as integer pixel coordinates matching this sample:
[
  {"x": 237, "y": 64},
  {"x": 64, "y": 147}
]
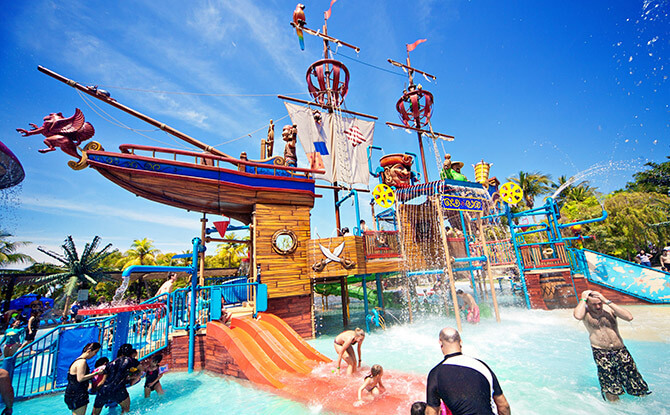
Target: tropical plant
[
  {"x": 656, "y": 179},
  {"x": 141, "y": 252},
  {"x": 8, "y": 251},
  {"x": 532, "y": 185},
  {"x": 580, "y": 193},
  {"x": 230, "y": 254},
  {"x": 628, "y": 227},
  {"x": 78, "y": 271}
]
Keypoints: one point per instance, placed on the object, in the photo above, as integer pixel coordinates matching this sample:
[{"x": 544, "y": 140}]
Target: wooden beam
[
  {"x": 419, "y": 130},
  {"x": 327, "y": 107}
]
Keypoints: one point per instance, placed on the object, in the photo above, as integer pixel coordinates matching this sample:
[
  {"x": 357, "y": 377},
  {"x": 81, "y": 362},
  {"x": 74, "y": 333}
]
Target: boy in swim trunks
[{"x": 616, "y": 369}]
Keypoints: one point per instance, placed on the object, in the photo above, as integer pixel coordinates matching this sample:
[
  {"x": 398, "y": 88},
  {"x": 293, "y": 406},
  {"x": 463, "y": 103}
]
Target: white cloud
[{"x": 65, "y": 207}]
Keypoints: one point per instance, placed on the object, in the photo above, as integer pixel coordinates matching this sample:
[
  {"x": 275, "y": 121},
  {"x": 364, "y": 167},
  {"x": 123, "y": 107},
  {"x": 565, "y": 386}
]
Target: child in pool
[
  {"x": 98, "y": 379},
  {"x": 372, "y": 383},
  {"x": 419, "y": 408},
  {"x": 153, "y": 376}
]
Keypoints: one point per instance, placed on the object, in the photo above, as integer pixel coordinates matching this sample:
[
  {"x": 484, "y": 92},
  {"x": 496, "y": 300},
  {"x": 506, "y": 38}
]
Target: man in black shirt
[{"x": 467, "y": 386}]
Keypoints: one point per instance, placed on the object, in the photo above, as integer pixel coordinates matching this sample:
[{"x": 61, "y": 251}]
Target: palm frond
[{"x": 52, "y": 254}]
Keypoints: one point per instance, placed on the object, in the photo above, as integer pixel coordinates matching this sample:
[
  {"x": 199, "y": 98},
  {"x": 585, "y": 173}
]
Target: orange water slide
[
  {"x": 269, "y": 352},
  {"x": 291, "y": 336},
  {"x": 274, "y": 344},
  {"x": 249, "y": 356}
]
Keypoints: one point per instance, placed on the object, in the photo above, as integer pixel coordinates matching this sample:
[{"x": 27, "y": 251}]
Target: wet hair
[
  {"x": 450, "y": 335},
  {"x": 126, "y": 349},
  {"x": 91, "y": 346},
  {"x": 101, "y": 361},
  {"x": 459, "y": 292},
  {"x": 359, "y": 332},
  {"x": 157, "y": 358},
  {"x": 418, "y": 408},
  {"x": 376, "y": 370}
]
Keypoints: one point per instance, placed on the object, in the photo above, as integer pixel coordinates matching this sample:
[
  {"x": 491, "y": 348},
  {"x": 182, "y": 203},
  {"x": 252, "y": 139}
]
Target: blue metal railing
[{"x": 34, "y": 367}]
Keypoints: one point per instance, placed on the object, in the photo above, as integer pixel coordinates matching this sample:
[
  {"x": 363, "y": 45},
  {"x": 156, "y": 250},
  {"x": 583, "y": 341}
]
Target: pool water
[{"x": 542, "y": 359}]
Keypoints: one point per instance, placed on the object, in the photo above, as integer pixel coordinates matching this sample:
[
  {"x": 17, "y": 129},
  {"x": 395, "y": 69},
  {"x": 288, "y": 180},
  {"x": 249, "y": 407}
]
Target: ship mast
[
  {"x": 95, "y": 92},
  {"x": 415, "y": 108},
  {"x": 327, "y": 81}
]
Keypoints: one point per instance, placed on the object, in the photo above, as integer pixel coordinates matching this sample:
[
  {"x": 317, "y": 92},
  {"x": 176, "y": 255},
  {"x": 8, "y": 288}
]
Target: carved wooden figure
[
  {"x": 289, "y": 134},
  {"x": 66, "y": 133}
]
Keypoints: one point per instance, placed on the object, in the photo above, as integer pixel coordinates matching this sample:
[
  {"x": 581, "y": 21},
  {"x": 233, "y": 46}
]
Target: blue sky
[{"x": 536, "y": 86}]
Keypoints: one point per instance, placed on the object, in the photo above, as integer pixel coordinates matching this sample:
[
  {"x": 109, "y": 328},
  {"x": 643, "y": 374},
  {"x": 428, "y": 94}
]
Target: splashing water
[{"x": 600, "y": 168}]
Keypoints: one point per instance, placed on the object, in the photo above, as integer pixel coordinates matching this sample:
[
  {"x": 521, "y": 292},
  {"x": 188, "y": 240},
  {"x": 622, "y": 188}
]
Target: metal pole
[
  {"x": 365, "y": 304},
  {"x": 482, "y": 240},
  {"x": 358, "y": 211},
  {"x": 203, "y": 236},
  {"x": 194, "y": 284},
  {"x": 467, "y": 253},
  {"x": 519, "y": 262},
  {"x": 336, "y": 199}
]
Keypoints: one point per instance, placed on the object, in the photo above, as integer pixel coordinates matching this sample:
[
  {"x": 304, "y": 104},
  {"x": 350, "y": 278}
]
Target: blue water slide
[{"x": 627, "y": 277}]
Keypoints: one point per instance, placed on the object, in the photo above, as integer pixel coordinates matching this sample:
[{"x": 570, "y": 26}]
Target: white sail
[{"x": 334, "y": 143}]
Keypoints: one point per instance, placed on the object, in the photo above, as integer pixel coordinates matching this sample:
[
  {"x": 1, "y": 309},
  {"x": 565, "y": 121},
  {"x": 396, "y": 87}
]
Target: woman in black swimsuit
[{"x": 76, "y": 392}]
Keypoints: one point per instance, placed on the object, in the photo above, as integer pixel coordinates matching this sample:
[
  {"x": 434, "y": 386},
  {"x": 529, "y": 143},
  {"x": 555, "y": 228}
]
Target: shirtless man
[
  {"x": 471, "y": 305},
  {"x": 166, "y": 288},
  {"x": 344, "y": 346},
  {"x": 616, "y": 369}
]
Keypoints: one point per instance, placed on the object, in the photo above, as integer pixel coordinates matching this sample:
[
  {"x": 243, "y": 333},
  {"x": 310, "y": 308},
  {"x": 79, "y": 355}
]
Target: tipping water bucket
[{"x": 482, "y": 171}]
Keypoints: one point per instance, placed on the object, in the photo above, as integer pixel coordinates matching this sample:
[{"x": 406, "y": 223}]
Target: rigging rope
[
  {"x": 153, "y": 91},
  {"x": 118, "y": 123},
  {"x": 371, "y": 65}
]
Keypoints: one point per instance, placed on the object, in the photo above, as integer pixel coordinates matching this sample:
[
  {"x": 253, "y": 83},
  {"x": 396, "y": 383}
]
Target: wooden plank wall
[
  {"x": 285, "y": 275},
  {"x": 176, "y": 356},
  {"x": 296, "y": 311},
  {"x": 354, "y": 250}
]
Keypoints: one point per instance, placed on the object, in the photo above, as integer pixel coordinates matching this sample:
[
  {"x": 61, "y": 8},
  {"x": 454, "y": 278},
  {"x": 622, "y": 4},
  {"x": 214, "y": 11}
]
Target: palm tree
[
  {"x": 141, "y": 252},
  {"x": 8, "y": 254},
  {"x": 532, "y": 185},
  {"x": 84, "y": 270},
  {"x": 229, "y": 254},
  {"x": 572, "y": 192},
  {"x": 580, "y": 193}
]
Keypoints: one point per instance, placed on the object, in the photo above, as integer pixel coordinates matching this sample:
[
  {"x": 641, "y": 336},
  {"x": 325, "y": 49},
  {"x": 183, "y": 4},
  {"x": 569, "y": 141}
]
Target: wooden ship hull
[{"x": 204, "y": 182}]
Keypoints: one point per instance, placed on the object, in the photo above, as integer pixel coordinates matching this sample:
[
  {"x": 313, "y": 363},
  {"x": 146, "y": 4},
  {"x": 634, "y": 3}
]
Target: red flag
[
  {"x": 414, "y": 45},
  {"x": 327, "y": 14}
]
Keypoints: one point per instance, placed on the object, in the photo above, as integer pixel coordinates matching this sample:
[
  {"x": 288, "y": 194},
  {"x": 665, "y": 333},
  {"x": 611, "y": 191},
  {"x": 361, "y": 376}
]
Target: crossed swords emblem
[{"x": 333, "y": 256}]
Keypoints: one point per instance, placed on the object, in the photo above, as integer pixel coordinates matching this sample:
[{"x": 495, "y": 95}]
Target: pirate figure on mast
[
  {"x": 333, "y": 138},
  {"x": 415, "y": 107}
]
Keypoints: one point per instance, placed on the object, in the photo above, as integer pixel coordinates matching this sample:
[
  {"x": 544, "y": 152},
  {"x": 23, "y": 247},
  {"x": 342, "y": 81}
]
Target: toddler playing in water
[
  {"x": 372, "y": 383},
  {"x": 419, "y": 408}
]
